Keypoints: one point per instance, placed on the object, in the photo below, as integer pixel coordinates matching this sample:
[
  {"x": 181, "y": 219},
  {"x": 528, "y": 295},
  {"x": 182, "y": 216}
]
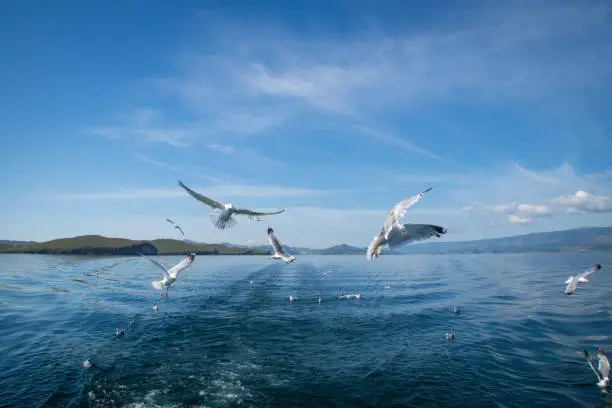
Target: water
[{"x": 228, "y": 336}]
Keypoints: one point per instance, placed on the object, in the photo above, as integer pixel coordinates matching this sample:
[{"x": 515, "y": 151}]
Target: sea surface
[{"x": 227, "y": 335}]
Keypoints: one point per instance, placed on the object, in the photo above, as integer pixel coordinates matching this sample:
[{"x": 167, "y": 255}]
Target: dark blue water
[{"x": 228, "y": 336}]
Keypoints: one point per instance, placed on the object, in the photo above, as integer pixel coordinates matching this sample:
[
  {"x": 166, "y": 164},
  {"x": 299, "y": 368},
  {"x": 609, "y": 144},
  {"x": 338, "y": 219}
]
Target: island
[{"x": 99, "y": 245}]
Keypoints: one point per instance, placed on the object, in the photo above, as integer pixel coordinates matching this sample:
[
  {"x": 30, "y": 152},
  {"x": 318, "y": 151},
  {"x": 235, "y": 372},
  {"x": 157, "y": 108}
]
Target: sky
[{"x": 334, "y": 110}]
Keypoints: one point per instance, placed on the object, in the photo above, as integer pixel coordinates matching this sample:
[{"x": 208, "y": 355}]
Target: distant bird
[
  {"x": 353, "y": 296},
  {"x": 180, "y": 229},
  {"x": 291, "y": 298},
  {"x": 221, "y": 216},
  {"x": 450, "y": 335},
  {"x": 574, "y": 281},
  {"x": 86, "y": 364},
  {"x": 456, "y": 310},
  {"x": 156, "y": 308},
  {"x": 170, "y": 275},
  {"x": 119, "y": 332},
  {"x": 602, "y": 371},
  {"x": 169, "y": 220},
  {"x": 279, "y": 252},
  {"x": 403, "y": 235},
  {"x": 393, "y": 234}
]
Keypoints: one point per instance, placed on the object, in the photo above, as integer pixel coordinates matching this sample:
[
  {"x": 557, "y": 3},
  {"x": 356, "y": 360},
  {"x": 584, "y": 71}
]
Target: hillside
[
  {"x": 99, "y": 245},
  {"x": 578, "y": 239}
]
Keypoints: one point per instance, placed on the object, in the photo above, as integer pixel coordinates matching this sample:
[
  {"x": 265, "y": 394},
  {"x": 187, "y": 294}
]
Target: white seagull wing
[
  {"x": 399, "y": 210},
  {"x": 374, "y": 247},
  {"x": 587, "y": 272},
  {"x": 595, "y": 369},
  {"x": 408, "y": 233},
  {"x": 208, "y": 201},
  {"x": 604, "y": 365},
  {"x": 179, "y": 267},
  {"x": 244, "y": 211},
  {"x": 162, "y": 267},
  {"x": 276, "y": 245}
]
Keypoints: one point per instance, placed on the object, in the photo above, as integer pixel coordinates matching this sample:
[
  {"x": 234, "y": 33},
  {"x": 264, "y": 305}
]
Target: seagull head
[
  {"x": 598, "y": 266},
  {"x": 229, "y": 206},
  {"x": 600, "y": 352},
  {"x": 192, "y": 256},
  {"x": 270, "y": 230}
]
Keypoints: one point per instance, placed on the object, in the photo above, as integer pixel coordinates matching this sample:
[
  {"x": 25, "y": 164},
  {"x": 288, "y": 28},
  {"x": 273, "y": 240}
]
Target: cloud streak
[{"x": 233, "y": 191}]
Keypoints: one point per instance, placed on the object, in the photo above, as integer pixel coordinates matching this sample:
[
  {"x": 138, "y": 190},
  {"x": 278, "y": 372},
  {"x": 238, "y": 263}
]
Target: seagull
[
  {"x": 402, "y": 235},
  {"x": 170, "y": 275},
  {"x": 602, "y": 371},
  {"x": 221, "y": 216},
  {"x": 119, "y": 332},
  {"x": 156, "y": 308},
  {"x": 456, "y": 310},
  {"x": 291, "y": 298},
  {"x": 574, "y": 281},
  {"x": 398, "y": 211},
  {"x": 86, "y": 364},
  {"x": 279, "y": 252},
  {"x": 180, "y": 229},
  {"x": 169, "y": 220},
  {"x": 450, "y": 335}
]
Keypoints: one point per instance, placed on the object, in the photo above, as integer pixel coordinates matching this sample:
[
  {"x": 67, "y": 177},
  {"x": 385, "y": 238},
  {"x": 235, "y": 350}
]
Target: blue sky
[{"x": 335, "y": 110}]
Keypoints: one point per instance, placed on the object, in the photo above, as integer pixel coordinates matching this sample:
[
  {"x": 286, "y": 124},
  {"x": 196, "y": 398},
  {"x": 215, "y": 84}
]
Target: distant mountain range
[
  {"x": 99, "y": 245},
  {"x": 578, "y": 239}
]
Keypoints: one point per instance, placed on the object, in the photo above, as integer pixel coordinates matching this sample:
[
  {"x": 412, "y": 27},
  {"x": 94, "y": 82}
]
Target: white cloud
[
  {"x": 515, "y": 219},
  {"x": 583, "y": 201}
]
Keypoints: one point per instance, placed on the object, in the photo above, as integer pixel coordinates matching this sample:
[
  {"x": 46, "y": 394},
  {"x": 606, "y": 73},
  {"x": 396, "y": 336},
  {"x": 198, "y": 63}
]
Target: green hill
[{"x": 99, "y": 245}]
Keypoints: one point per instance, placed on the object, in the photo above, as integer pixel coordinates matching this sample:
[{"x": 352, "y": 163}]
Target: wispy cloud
[
  {"x": 146, "y": 159},
  {"x": 215, "y": 191},
  {"x": 251, "y": 79},
  {"x": 402, "y": 143},
  {"x": 145, "y": 125}
]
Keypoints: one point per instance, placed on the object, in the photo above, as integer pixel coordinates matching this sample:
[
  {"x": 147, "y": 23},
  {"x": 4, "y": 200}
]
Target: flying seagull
[
  {"x": 574, "y": 281},
  {"x": 602, "y": 371},
  {"x": 170, "y": 275},
  {"x": 398, "y": 211},
  {"x": 279, "y": 252},
  {"x": 402, "y": 235},
  {"x": 169, "y": 220},
  {"x": 221, "y": 216},
  {"x": 180, "y": 229}
]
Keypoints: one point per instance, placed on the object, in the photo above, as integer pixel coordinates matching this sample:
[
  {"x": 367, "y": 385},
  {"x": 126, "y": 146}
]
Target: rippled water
[{"x": 228, "y": 335}]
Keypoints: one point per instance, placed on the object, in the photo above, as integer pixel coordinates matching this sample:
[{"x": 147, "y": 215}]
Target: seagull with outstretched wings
[
  {"x": 279, "y": 252},
  {"x": 170, "y": 275},
  {"x": 394, "y": 234},
  {"x": 574, "y": 281},
  {"x": 221, "y": 216},
  {"x": 602, "y": 371}
]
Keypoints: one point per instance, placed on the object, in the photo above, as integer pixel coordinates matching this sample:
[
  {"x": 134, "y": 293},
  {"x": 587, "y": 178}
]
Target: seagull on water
[
  {"x": 279, "y": 252},
  {"x": 170, "y": 275},
  {"x": 393, "y": 234},
  {"x": 602, "y": 371},
  {"x": 221, "y": 216},
  {"x": 574, "y": 281}
]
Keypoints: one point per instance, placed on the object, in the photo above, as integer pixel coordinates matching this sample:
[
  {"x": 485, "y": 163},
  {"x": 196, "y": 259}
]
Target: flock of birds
[{"x": 393, "y": 234}]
